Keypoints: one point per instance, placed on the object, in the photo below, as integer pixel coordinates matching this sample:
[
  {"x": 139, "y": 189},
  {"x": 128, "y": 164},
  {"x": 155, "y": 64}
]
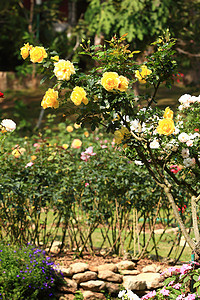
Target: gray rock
[
  {"x": 88, "y": 295},
  {"x": 113, "y": 288},
  {"x": 85, "y": 276},
  {"x": 93, "y": 285},
  {"x": 126, "y": 265},
  {"x": 78, "y": 268},
  {"x": 110, "y": 276},
  {"x": 153, "y": 280},
  {"x": 129, "y": 272},
  {"x": 134, "y": 283},
  {"x": 110, "y": 267}
]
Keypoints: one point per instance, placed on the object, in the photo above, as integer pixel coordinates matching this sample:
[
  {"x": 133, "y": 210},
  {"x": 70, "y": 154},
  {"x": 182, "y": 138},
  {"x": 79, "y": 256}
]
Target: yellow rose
[
  {"x": 168, "y": 114},
  {"x": 33, "y": 157},
  {"x": 110, "y": 81},
  {"x": 78, "y": 95},
  {"x": 123, "y": 84},
  {"x": 25, "y": 50},
  {"x": 76, "y": 144},
  {"x": 121, "y": 134},
  {"x": 63, "y": 69},
  {"x": 50, "y": 99},
  {"x": 166, "y": 126},
  {"x": 37, "y": 54},
  {"x": 69, "y": 128},
  {"x": 141, "y": 75}
]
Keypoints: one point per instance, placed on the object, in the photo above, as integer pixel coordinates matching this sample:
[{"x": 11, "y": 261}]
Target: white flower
[
  {"x": 189, "y": 162},
  {"x": 154, "y": 144},
  {"x": 184, "y": 100},
  {"x": 176, "y": 131},
  {"x": 138, "y": 162},
  {"x": 8, "y": 124},
  {"x": 121, "y": 293},
  {"x": 132, "y": 296},
  {"x": 185, "y": 153},
  {"x": 189, "y": 143},
  {"x": 193, "y": 99},
  {"x": 134, "y": 125},
  {"x": 183, "y": 137}
]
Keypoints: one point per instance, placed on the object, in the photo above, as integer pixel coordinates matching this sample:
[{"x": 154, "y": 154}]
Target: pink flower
[
  {"x": 29, "y": 164},
  {"x": 173, "y": 270},
  {"x": 171, "y": 283},
  {"x": 185, "y": 268},
  {"x": 180, "y": 297},
  {"x": 190, "y": 297},
  {"x": 36, "y": 145},
  {"x": 149, "y": 295},
  {"x": 164, "y": 292},
  {"x": 86, "y": 184},
  {"x": 104, "y": 146},
  {"x": 87, "y": 153},
  {"x": 177, "y": 286},
  {"x": 175, "y": 169}
]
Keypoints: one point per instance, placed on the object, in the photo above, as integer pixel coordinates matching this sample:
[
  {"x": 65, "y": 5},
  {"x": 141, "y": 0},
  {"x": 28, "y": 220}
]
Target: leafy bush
[{"x": 27, "y": 273}]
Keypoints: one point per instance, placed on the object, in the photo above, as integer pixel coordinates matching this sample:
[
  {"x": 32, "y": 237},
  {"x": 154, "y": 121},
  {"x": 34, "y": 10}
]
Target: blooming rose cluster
[
  {"x": 37, "y": 54},
  {"x": 186, "y": 99},
  {"x": 111, "y": 81}
]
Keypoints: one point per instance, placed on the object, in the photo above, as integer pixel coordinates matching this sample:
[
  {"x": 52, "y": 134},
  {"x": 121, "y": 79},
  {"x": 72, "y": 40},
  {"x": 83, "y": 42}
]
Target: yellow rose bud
[
  {"x": 168, "y": 114},
  {"x": 78, "y": 95},
  {"x": 65, "y": 146},
  {"x": 123, "y": 84},
  {"x": 69, "y": 128},
  {"x": 25, "y": 50},
  {"x": 63, "y": 69},
  {"x": 141, "y": 75},
  {"x": 37, "y": 54},
  {"x": 50, "y": 99},
  {"x": 166, "y": 127},
  {"x": 110, "y": 81}
]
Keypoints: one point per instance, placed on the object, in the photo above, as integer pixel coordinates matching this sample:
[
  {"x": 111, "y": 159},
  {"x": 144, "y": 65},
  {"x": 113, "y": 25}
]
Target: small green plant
[
  {"x": 78, "y": 296},
  {"x": 27, "y": 273}
]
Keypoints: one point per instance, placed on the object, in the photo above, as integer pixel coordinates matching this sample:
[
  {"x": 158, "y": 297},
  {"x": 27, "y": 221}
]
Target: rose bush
[{"x": 145, "y": 132}]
